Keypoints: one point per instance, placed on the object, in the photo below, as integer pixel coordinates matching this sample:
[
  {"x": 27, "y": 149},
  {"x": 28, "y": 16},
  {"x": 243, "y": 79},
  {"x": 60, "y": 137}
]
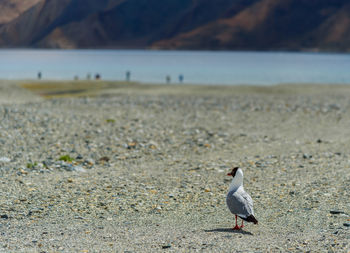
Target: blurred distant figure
[
  {"x": 88, "y": 76},
  {"x": 76, "y": 78},
  {"x": 39, "y": 75},
  {"x": 168, "y": 79},
  {"x": 128, "y": 74},
  {"x": 181, "y": 78},
  {"x": 97, "y": 76}
]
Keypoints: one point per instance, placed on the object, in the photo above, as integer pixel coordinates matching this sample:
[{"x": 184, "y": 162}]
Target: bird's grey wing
[
  {"x": 240, "y": 203},
  {"x": 248, "y": 201}
]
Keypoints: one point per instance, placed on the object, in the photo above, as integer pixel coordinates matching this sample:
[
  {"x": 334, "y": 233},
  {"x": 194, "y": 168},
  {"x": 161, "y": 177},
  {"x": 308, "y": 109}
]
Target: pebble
[
  {"x": 78, "y": 169},
  {"x": 90, "y": 161},
  {"x": 4, "y": 216},
  {"x": 5, "y": 159},
  {"x": 307, "y": 156},
  {"x": 104, "y": 159},
  {"x": 336, "y": 212}
]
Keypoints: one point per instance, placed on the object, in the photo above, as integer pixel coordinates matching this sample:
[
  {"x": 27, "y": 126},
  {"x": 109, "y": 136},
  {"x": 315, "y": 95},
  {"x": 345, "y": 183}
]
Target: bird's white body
[{"x": 238, "y": 200}]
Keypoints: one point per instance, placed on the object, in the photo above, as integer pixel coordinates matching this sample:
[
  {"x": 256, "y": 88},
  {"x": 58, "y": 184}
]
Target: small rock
[
  {"x": 166, "y": 246},
  {"x": 4, "y": 216},
  {"x": 78, "y": 169},
  {"x": 104, "y": 159},
  {"x": 307, "y": 156},
  {"x": 336, "y": 212},
  {"x": 90, "y": 161},
  {"x": 131, "y": 145},
  {"x": 152, "y": 144},
  {"x": 67, "y": 166},
  {"x": 5, "y": 159},
  {"x": 334, "y": 106}
]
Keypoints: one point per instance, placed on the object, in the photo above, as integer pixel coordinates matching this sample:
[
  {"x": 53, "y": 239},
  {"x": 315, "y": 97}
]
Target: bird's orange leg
[{"x": 236, "y": 227}]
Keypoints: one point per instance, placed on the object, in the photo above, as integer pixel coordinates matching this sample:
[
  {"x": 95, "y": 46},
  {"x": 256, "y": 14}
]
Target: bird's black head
[{"x": 233, "y": 172}]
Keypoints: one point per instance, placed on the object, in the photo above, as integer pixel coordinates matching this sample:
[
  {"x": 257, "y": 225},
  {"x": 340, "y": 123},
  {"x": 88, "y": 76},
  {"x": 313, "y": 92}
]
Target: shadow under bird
[{"x": 238, "y": 200}]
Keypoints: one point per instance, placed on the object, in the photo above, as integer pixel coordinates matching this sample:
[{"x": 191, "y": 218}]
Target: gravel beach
[{"x": 142, "y": 168}]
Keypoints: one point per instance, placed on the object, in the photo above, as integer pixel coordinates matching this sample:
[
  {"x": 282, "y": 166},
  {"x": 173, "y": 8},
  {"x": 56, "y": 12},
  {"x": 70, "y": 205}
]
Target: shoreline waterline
[
  {"x": 188, "y": 67},
  {"x": 57, "y": 89}
]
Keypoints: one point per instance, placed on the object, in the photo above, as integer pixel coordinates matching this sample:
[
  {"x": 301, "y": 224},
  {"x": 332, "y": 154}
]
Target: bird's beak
[{"x": 229, "y": 174}]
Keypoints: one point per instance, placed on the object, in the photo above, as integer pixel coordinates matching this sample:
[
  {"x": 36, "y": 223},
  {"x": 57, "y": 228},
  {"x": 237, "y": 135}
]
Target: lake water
[{"x": 197, "y": 67}]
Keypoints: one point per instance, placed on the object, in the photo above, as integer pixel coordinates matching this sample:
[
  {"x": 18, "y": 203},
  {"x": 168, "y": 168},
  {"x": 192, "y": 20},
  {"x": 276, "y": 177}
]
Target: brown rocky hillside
[{"x": 177, "y": 24}]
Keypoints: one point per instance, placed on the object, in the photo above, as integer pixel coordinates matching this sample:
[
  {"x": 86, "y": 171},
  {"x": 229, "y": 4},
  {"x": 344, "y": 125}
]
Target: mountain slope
[
  {"x": 139, "y": 23},
  {"x": 11, "y": 9},
  {"x": 272, "y": 24},
  {"x": 181, "y": 24}
]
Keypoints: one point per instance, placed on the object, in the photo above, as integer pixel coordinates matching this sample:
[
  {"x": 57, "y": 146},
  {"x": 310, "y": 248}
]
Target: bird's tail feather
[{"x": 250, "y": 218}]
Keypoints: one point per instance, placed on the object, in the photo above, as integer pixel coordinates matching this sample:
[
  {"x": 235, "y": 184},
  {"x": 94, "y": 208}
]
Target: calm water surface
[{"x": 202, "y": 67}]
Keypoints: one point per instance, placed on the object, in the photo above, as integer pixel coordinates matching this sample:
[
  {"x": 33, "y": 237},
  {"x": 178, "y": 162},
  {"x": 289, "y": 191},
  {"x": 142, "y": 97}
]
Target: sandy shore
[{"x": 113, "y": 167}]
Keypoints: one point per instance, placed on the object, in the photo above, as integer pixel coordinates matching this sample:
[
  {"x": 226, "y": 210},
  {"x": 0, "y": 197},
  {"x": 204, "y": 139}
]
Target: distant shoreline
[
  {"x": 301, "y": 51},
  {"x": 56, "y": 89},
  {"x": 176, "y": 67}
]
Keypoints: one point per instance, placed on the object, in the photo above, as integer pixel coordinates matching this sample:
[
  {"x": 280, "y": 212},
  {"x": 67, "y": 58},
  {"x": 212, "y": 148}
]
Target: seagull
[{"x": 238, "y": 200}]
